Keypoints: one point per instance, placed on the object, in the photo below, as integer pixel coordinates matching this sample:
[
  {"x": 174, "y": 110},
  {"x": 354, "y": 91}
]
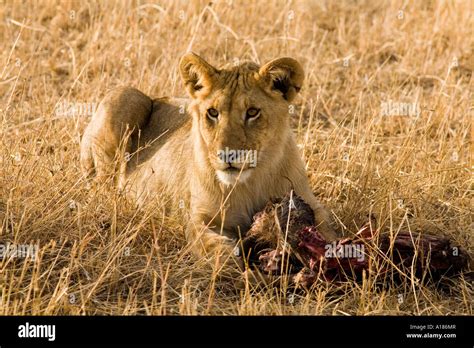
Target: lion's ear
[
  {"x": 283, "y": 75},
  {"x": 197, "y": 74}
]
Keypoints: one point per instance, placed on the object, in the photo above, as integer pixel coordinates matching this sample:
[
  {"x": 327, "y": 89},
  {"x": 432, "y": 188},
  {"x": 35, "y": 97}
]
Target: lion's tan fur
[{"x": 173, "y": 146}]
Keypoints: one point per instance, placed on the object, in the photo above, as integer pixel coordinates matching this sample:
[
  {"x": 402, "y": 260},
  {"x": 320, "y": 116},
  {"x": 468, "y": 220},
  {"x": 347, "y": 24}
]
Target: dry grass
[{"x": 99, "y": 255}]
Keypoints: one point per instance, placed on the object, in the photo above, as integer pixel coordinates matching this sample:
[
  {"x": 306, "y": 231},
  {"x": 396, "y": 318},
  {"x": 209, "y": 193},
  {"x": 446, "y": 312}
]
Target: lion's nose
[
  {"x": 229, "y": 159},
  {"x": 232, "y": 163},
  {"x": 229, "y": 165},
  {"x": 233, "y": 166}
]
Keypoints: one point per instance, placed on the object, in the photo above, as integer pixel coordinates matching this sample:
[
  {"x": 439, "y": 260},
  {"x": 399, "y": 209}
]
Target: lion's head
[{"x": 241, "y": 113}]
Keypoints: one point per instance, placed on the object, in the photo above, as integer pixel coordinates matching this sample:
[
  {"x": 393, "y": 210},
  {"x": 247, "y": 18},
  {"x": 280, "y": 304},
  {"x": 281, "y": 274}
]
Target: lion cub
[{"x": 226, "y": 151}]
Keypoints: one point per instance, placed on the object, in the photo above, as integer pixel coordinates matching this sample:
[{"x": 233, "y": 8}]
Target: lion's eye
[
  {"x": 252, "y": 113},
  {"x": 212, "y": 114}
]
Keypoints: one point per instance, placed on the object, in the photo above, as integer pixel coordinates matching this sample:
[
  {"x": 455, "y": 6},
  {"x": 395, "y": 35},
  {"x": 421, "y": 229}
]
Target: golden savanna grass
[{"x": 99, "y": 254}]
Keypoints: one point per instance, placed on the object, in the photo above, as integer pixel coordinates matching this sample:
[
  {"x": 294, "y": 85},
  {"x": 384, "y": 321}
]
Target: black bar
[{"x": 312, "y": 330}]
